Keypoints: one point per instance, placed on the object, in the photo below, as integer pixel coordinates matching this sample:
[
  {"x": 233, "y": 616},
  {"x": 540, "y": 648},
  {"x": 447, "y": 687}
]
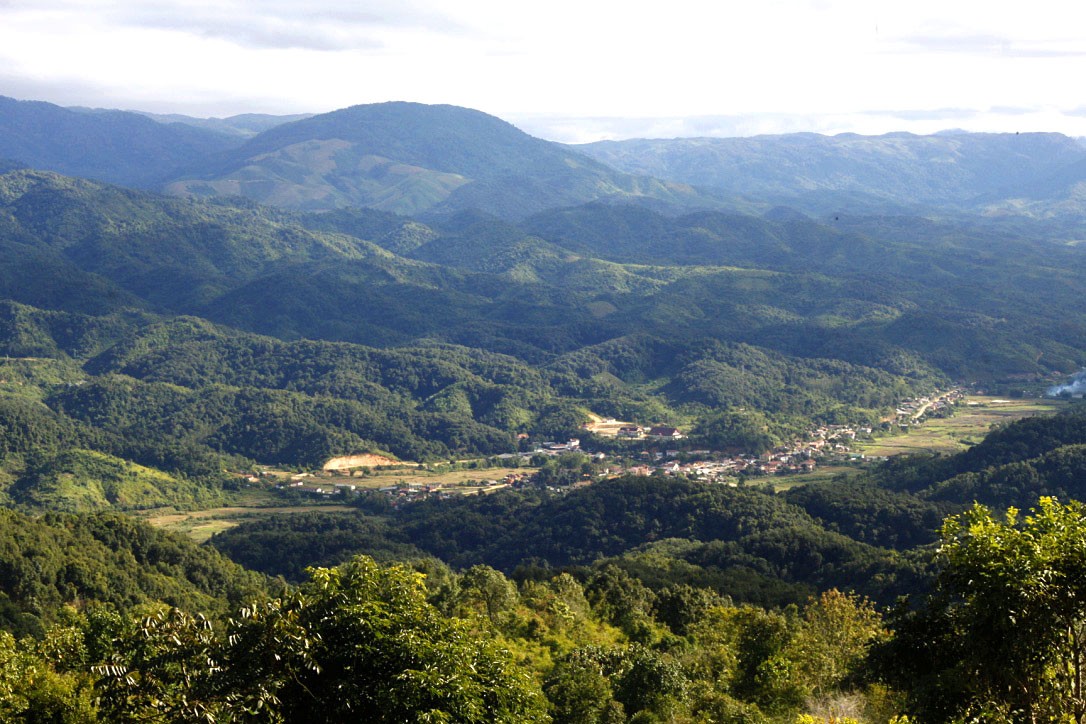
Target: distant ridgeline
[
  {"x": 150, "y": 343},
  {"x": 187, "y": 336}
]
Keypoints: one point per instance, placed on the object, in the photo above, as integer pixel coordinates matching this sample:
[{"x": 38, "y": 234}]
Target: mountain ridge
[
  {"x": 114, "y": 146},
  {"x": 413, "y": 158},
  {"x": 815, "y": 171},
  {"x": 437, "y": 160}
]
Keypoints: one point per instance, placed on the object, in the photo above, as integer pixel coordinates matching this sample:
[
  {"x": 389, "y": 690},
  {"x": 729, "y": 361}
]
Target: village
[{"x": 562, "y": 466}]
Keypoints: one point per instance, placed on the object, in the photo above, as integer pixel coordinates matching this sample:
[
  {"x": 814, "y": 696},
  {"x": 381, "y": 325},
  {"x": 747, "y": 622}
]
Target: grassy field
[
  {"x": 972, "y": 420},
  {"x": 381, "y": 478},
  {"x": 257, "y": 502},
  {"x": 819, "y": 475},
  {"x": 200, "y": 525}
]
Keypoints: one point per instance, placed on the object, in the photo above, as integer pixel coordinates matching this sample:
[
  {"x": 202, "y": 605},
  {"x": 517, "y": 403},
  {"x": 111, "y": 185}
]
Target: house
[
  {"x": 630, "y": 431},
  {"x": 664, "y": 432},
  {"x": 571, "y": 444}
]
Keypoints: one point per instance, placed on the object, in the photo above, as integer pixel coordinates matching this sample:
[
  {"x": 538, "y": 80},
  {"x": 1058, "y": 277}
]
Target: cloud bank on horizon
[{"x": 568, "y": 70}]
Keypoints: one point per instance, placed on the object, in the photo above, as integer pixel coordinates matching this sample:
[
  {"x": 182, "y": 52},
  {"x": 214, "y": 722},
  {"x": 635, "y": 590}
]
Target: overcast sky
[{"x": 569, "y": 70}]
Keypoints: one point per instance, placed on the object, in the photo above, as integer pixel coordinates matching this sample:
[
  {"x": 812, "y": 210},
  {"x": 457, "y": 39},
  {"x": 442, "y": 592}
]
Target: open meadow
[
  {"x": 973, "y": 418},
  {"x": 201, "y": 525}
]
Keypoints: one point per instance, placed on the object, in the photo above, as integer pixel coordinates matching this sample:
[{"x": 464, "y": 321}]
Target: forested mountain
[
  {"x": 155, "y": 351},
  {"x": 429, "y": 340},
  {"x": 961, "y": 298},
  {"x": 748, "y": 544},
  {"x": 244, "y": 125},
  {"x": 890, "y": 173},
  {"x": 179, "y": 394},
  {"x": 51, "y": 561},
  {"x": 412, "y": 158},
  {"x": 115, "y": 146}
]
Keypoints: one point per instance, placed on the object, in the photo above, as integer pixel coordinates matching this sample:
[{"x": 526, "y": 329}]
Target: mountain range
[
  {"x": 980, "y": 172},
  {"x": 538, "y": 286},
  {"x": 416, "y": 159},
  {"x": 192, "y": 308}
]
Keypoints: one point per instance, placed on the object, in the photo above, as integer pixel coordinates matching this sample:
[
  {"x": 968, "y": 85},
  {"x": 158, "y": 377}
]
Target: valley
[{"x": 631, "y": 431}]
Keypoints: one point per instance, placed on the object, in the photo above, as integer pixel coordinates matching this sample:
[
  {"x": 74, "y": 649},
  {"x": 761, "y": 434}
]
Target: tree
[
  {"x": 579, "y": 688},
  {"x": 623, "y": 601},
  {"x": 747, "y": 431},
  {"x": 165, "y": 668},
  {"x": 1003, "y": 635},
  {"x": 681, "y": 605},
  {"x": 33, "y": 690},
  {"x": 483, "y": 587},
  {"x": 355, "y": 643},
  {"x": 832, "y": 640},
  {"x": 763, "y": 672},
  {"x": 382, "y": 653}
]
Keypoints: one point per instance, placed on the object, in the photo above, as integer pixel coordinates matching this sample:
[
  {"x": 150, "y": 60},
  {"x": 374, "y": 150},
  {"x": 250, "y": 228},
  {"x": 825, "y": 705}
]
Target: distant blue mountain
[
  {"x": 114, "y": 146},
  {"x": 896, "y": 171}
]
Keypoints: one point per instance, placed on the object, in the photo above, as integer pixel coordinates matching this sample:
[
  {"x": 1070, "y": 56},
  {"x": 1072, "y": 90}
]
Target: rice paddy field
[
  {"x": 972, "y": 420},
  {"x": 256, "y": 502}
]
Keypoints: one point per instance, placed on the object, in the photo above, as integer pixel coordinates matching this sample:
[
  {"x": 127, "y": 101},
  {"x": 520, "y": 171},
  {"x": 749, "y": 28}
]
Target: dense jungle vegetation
[{"x": 155, "y": 350}]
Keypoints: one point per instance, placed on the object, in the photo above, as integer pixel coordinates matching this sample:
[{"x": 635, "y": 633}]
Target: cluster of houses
[
  {"x": 659, "y": 432},
  {"x": 800, "y": 456},
  {"x": 828, "y": 442},
  {"x": 912, "y": 411},
  {"x": 401, "y": 492}
]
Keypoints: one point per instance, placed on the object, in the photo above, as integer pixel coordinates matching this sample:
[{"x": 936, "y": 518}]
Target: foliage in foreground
[
  {"x": 1001, "y": 637},
  {"x": 364, "y": 642}
]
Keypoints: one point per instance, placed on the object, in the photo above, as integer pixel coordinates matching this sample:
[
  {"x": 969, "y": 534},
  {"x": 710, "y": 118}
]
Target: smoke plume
[{"x": 1077, "y": 386}]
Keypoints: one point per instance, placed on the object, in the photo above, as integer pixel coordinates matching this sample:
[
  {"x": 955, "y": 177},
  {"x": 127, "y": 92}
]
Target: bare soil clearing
[{"x": 360, "y": 461}]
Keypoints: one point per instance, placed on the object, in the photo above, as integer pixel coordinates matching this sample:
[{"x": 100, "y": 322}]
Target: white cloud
[{"x": 774, "y": 59}]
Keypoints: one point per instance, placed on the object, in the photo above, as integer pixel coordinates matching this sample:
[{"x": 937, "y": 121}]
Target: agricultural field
[
  {"x": 821, "y": 474},
  {"x": 414, "y": 475},
  {"x": 973, "y": 418},
  {"x": 200, "y": 525}
]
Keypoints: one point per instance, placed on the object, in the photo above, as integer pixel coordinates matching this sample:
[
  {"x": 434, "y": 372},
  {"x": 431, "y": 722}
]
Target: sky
[{"x": 569, "y": 70}]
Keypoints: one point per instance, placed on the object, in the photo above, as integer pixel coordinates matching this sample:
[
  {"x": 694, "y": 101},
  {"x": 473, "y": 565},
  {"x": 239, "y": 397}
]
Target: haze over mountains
[
  {"x": 898, "y": 171},
  {"x": 411, "y": 159},
  {"x": 190, "y": 308},
  {"x": 572, "y": 288}
]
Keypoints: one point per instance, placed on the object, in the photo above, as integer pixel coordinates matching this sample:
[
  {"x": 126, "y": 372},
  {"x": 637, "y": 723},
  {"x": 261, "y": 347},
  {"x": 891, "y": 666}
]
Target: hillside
[
  {"x": 861, "y": 288},
  {"x": 156, "y": 352},
  {"x": 108, "y": 245},
  {"x": 891, "y": 173},
  {"x": 115, "y": 146},
  {"x": 609, "y": 308},
  {"x": 189, "y": 398},
  {"x": 53, "y": 560},
  {"x": 411, "y": 158}
]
